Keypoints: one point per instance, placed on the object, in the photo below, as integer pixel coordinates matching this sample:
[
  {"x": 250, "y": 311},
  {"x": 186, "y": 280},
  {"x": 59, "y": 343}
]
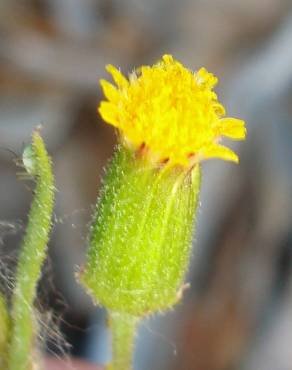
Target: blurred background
[{"x": 238, "y": 312}]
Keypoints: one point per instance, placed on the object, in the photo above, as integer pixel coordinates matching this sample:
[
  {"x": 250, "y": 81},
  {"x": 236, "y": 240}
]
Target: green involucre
[{"x": 141, "y": 235}]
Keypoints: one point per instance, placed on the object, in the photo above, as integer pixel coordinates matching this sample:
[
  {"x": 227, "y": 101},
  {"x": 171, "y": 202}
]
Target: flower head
[{"x": 170, "y": 112}]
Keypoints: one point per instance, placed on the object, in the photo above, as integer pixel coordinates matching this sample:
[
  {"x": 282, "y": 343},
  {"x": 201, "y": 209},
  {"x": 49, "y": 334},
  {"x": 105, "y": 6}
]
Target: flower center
[{"x": 171, "y": 111}]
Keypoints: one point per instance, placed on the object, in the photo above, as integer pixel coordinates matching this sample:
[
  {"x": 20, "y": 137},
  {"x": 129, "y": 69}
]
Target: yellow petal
[
  {"x": 219, "y": 151},
  {"x": 232, "y": 128},
  {"x": 109, "y": 112},
  {"x": 118, "y": 77},
  {"x": 110, "y": 91}
]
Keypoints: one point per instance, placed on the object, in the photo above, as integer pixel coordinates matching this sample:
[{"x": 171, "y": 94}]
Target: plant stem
[
  {"x": 32, "y": 256},
  {"x": 123, "y": 328},
  {"x": 4, "y": 332}
]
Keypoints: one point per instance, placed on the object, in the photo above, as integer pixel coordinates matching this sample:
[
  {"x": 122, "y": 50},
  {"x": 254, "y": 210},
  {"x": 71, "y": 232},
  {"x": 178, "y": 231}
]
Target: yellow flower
[{"x": 170, "y": 112}]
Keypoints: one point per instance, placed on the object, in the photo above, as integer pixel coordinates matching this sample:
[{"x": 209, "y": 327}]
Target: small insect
[{"x": 28, "y": 160}]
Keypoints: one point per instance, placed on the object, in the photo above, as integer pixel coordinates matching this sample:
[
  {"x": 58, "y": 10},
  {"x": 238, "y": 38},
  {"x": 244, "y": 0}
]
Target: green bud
[{"x": 141, "y": 236}]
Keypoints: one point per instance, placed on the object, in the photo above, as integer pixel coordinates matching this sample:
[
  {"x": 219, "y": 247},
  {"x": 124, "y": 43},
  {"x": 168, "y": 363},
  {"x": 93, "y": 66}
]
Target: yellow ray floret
[{"x": 171, "y": 111}]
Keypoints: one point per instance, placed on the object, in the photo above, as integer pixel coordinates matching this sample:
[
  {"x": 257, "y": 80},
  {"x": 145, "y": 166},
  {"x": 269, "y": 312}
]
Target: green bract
[{"x": 141, "y": 235}]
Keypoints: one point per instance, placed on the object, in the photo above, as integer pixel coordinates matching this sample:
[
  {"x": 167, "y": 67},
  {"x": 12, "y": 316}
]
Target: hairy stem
[
  {"x": 32, "y": 255},
  {"x": 4, "y": 332},
  {"x": 123, "y": 327}
]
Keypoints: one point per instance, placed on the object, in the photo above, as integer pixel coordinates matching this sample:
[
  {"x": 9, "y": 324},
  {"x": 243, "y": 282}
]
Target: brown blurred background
[{"x": 238, "y": 312}]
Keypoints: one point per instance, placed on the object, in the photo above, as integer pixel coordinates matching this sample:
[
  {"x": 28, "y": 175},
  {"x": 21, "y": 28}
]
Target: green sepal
[{"x": 141, "y": 236}]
